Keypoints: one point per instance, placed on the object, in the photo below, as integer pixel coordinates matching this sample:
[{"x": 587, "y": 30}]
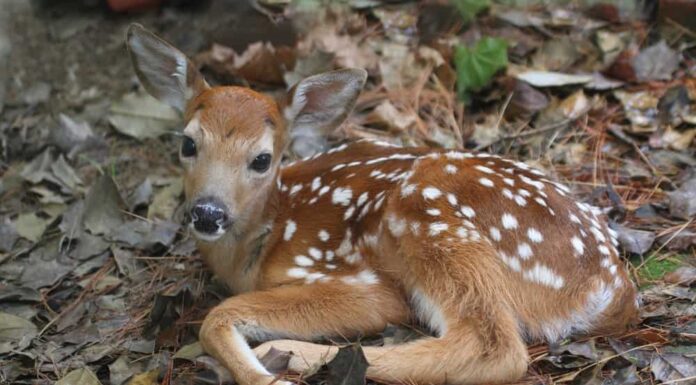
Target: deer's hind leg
[{"x": 458, "y": 289}]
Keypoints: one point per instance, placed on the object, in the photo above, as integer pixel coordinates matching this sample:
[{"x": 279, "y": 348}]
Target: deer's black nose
[{"x": 209, "y": 216}]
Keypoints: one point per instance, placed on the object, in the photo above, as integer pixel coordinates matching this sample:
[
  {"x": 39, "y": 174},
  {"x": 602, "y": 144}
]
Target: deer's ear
[
  {"x": 164, "y": 71},
  {"x": 320, "y": 103}
]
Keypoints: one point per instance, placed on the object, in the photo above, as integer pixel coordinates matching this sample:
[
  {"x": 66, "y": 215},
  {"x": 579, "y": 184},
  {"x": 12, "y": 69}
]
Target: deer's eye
[
  {"x": 188, "y": 147},
  {"x": 261, "y": 163}
]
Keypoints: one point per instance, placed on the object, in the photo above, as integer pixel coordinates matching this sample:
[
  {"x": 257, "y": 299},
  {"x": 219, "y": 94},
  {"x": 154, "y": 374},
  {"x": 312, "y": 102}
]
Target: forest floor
[{"x": 100, "y": 282}]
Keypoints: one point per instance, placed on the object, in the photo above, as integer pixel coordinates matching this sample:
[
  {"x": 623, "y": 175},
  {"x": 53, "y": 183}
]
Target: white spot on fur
[
  {"x": 437, "y": 227},
  {"x": 349, "y": 213},
  {"x": 362, "y": 198},
  {"x": 545, "y": 276},
  {"x": 524, "y": 250},
  {"x": 512, "y": 262},
  {"x": 484, "y": 169},
  {"x": 603, "y": 249},
  {"x": 451, "y": 169},
  {"x": 520, "y": 201},
  {"x": 342, "y": 196},
  {"x": 396, "y": 226},
  {"x": 323, "y": 235},
  {"x": 455, "y": 155},
  {"x": 495, "y": 234},
  {"x": 295, "y": 189},
  {"x": 509, "y": 221},
  {"x": 290, "y": 228},
  {"x": 452, "y": 199},
  {"x": 531, "y": 182},
  {"x": 508, "y": 181},
  {"x": 303, "y": 260},
  {"x": 467, "y": 211},
  {"x": 297, "y": 272},
  {"x": 315, "y": 253},
  {"x": 433, "y": 212},
  {"x": 431, "y": 193},
  {"x": 346, "y": 245},
  {"x": 316, "y": 183},
  {"x": 365, "y": 277},
  {"x": 508, "y": 194},
  {"x": 578, "y": 245},
  {"x": 486, "y": 182},
  {"x": 408, "y": 190},
  {"x": 534, "y": 235}
]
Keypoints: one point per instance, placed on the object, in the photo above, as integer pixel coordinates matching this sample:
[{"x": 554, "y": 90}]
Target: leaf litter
[{"x": 101, "y": 284}]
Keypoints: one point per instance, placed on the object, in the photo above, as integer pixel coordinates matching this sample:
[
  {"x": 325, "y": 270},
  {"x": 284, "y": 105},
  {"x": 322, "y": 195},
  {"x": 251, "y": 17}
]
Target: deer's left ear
[{"x": 320, "y": 103}]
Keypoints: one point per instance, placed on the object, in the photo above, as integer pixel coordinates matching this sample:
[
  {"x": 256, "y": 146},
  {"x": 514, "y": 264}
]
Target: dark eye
[
  {"x": 188, "y": 147},
  {"x": 261, "y": 163}
]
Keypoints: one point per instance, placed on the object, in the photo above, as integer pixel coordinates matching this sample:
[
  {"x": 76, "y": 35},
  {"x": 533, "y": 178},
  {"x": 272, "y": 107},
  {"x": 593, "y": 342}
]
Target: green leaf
[
  {"x": 470, "y": 8},
  {"x": 476, "y": 66}
]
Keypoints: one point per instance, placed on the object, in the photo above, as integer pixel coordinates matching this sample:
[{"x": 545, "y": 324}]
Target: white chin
[{"x": 207, "y": 237}]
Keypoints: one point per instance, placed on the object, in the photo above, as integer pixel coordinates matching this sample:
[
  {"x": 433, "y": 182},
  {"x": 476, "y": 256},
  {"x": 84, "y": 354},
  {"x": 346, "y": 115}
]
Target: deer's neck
[{"x": 236, "y": 258}]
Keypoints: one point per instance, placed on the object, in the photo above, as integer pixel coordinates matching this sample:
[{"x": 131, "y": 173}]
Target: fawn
[{"x": 486, "y": 252}]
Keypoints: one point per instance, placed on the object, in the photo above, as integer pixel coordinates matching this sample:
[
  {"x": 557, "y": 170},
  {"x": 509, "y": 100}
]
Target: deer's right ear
[{"x": 163, "y": 70}]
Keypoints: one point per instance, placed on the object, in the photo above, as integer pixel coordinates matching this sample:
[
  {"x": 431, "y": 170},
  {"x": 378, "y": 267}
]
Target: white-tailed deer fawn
[{"x": 486, "y": 252}]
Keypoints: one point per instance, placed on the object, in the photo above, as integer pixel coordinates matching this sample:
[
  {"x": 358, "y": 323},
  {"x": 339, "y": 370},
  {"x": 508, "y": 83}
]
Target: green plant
[
  {"x": 470, "y": 8},
  {"x": 476, "y": 66}
]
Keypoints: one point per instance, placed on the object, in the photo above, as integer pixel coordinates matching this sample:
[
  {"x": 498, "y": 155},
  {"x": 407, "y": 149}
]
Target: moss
[{"x": 656, "y": 268}]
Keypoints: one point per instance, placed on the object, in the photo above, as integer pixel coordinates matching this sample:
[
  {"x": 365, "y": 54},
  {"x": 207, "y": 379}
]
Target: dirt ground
[{"x": 100, "y": 282}]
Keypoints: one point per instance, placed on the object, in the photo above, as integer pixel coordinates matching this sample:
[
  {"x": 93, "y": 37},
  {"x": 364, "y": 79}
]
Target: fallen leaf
[
  {"x": 519, "y": 18},
  {"x": 141, "y": 196},
  {"x": 552, "y": 79},
  {"x": 388, "y": 115},
  {"x": 16, "y": 333},
  {"x": 685, "y": 276},
  {"x": 166, "y": 200},
  {"x": 276, "y": 361},
  {"x": 72, "y": 136},
  {"x": 640, "y": 108},
  {"x": 656, "y": 62},
  {"x": 82, "y": 376},
  {"x": 263, "y": 63},
  {"x": 141, "y": 116},
  {"x": 556, "y": 54},
  {"x": 189, "y": 352},
  {"x": 31, "y": 226},
  {"x": 120, "y": 370},
  {"x": 65, "y": 174},
  {"x": 316, "y": 62},
  {"x": 102, "y": 208},
  {"x": 672, "y": 367},
  {"x": 147, "y": 378},
  {"x": 8, "y": 235},
  {"x": 600, "y": 82},
  {"x": 634, "y": 241},
  {"x": 348, "y": 367},
  {"x": 575, "y": 105},
  {"x": 677, "y": 140},
  {"x": 223, "y": 375},
  {"x": 525, "y": 100},
  {"x": 682, "y": 202}
]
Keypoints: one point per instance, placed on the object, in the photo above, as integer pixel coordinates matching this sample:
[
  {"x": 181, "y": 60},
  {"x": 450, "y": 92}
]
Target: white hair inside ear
[{"x": 318, "y": 105}]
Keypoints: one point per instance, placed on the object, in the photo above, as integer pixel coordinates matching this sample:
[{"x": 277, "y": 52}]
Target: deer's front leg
[{"x": 297, "y": 312}]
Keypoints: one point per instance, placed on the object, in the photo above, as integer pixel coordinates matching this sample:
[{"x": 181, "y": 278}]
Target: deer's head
[{"x": 234, "y": 137}]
